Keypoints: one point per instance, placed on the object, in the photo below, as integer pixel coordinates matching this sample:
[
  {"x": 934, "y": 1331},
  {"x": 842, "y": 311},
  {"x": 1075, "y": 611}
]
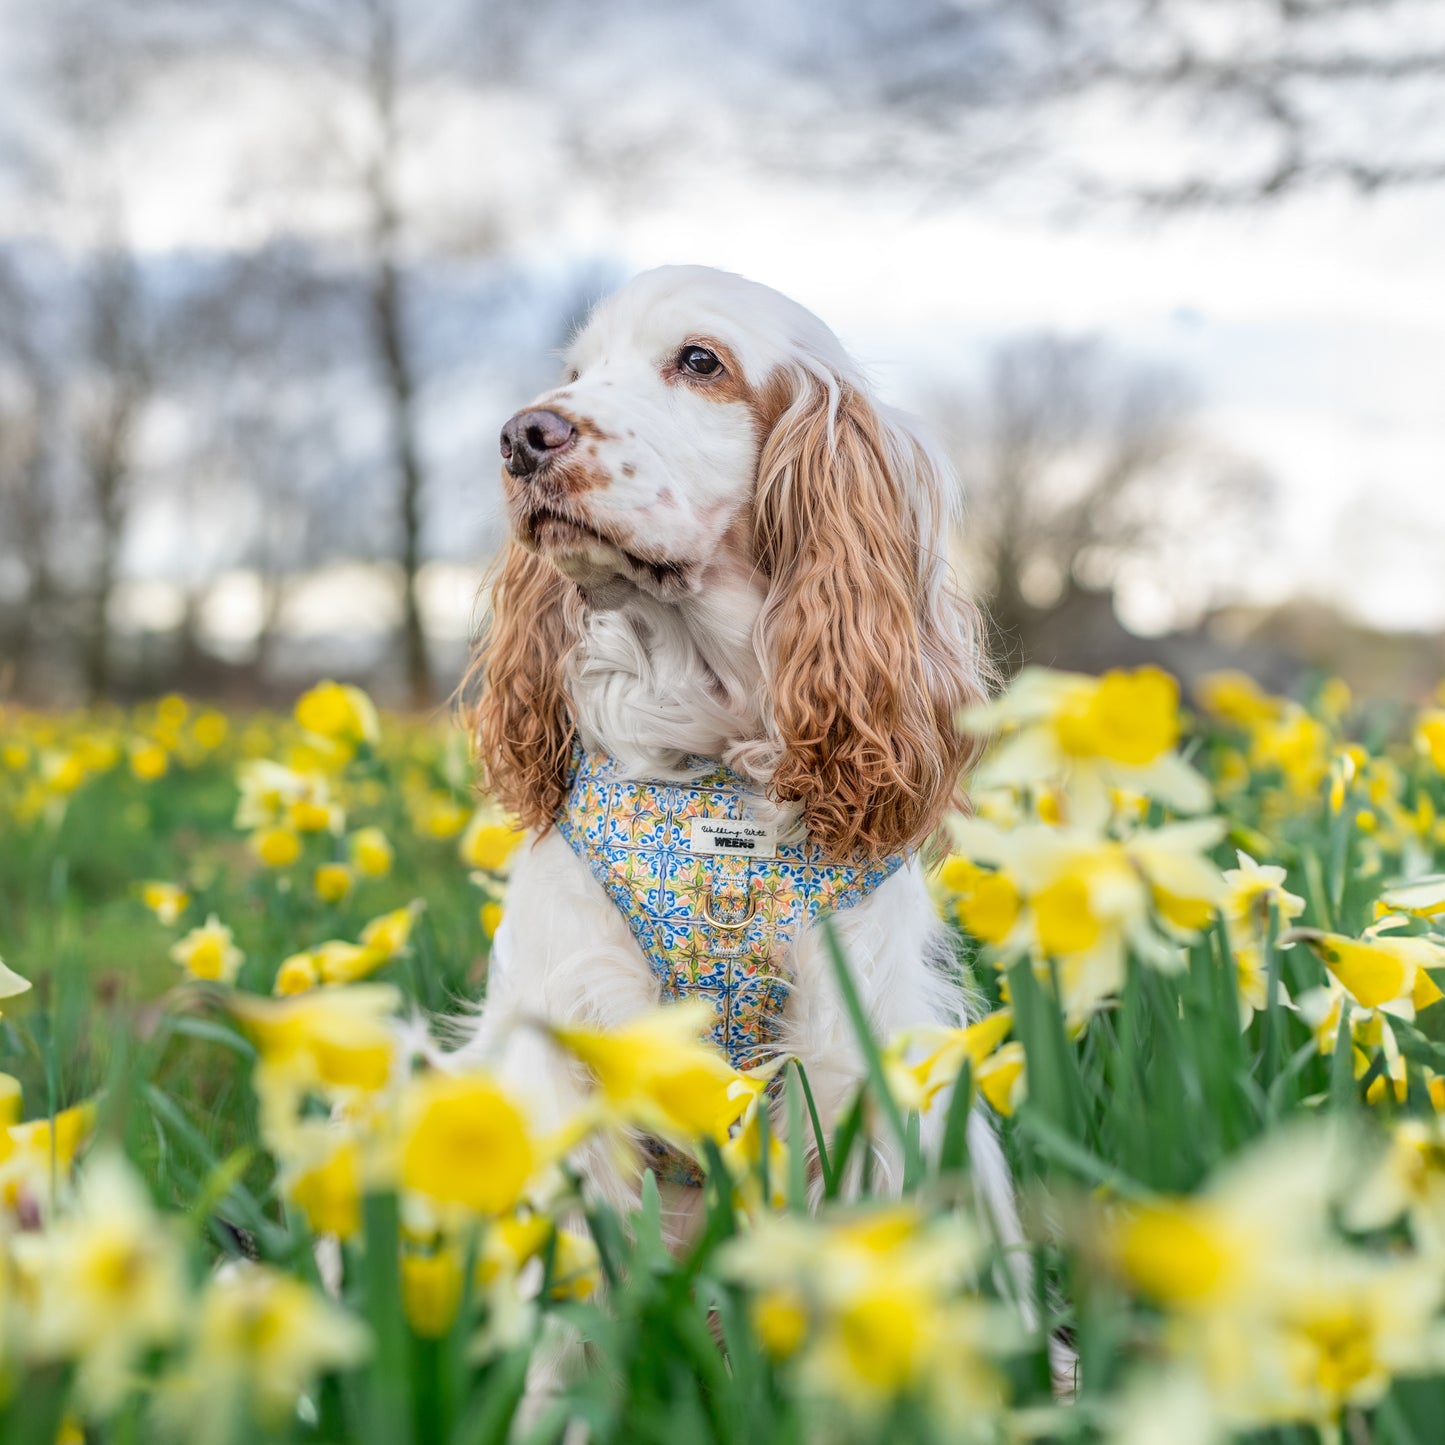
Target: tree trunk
[
  {"x": 389, "y": 326},
  {"x": 401, "y": 398},
  {"x": 108, "y": 480}
]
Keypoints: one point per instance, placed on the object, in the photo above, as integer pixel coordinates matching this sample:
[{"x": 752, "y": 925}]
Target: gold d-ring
[{"x": 718, "y": 923}]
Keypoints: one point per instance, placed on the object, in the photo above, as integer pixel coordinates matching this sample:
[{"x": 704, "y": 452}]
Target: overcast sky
[
  {"x": 1314, "y": 332},
  {"x": 1313, "y": 329}
]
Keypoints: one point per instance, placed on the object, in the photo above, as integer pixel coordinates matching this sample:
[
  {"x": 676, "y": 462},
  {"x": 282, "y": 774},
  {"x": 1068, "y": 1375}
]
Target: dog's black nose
[{"x": 533, "y": 437}]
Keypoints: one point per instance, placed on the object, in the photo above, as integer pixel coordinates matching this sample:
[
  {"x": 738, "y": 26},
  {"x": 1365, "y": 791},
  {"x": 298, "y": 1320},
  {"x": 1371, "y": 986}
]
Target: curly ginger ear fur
[
  {"x": 520, "y": 718},
  {"x": 869, "y": 651}
]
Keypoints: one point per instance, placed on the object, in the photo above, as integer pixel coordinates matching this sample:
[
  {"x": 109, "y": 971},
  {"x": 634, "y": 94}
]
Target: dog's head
[{"x": 705, "y": 421}]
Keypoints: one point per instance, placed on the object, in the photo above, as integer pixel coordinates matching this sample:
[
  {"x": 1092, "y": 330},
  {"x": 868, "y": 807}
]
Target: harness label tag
[{"x": 722, "y": 835}]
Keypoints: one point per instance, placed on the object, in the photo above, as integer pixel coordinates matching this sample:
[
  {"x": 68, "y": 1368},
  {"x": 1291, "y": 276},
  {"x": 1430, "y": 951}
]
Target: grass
[{"x": 1153, "y": 1100}]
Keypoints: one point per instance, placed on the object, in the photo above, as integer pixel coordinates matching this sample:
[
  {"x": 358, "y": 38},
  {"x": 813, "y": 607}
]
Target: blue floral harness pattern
[{"x": 713, "y": 900}]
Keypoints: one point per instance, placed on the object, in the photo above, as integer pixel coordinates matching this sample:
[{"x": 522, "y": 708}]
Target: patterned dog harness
[{"x": 712, "y": 897}]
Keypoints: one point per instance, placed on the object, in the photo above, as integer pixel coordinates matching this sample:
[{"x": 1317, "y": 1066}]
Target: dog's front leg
[
  {"x": 900, "y": 961},
  {"x": 563, "y": 957}
]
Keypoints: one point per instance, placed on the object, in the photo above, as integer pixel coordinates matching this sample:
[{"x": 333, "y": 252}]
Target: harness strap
[{"x": 713, "y": 899}]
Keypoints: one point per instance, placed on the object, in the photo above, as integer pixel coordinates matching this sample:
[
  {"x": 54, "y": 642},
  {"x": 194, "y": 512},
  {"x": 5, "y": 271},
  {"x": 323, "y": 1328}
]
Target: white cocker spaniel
[{"x": 721, "y": 683}]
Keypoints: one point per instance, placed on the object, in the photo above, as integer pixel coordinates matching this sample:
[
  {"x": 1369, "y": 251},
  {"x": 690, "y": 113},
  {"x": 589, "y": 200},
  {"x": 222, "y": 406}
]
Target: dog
[{"x": 725, "y": 645}]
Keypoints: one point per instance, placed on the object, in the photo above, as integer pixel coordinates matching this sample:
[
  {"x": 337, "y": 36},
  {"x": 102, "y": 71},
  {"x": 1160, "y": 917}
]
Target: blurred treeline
[{"x": 273, "y": 271}]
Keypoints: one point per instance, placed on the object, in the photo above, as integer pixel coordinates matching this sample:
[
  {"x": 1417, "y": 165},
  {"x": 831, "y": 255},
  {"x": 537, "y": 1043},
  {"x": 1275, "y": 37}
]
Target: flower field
[{"x": 239, "y": 1202}]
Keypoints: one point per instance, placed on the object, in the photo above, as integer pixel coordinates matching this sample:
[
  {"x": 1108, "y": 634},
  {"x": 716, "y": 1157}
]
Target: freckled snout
[{"x": 532, "y": 438}]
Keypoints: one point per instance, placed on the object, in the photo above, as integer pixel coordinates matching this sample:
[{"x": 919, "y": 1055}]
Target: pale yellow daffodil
[
  {"x": 209, "y": 953},
  {"x": 656, "y": 1073},
  {"x": 1088, "y": 900},
  {"x": 920, "y": 1063},
  {"x": 105, "y": 1283},
  {"x": 1380, "y": 970},
  {"x": 1090, "y": 736},
  {"x": 871, "y": 1304},
  {"x": 260, "y": 1340},
  {"x": 166, "y": 900}
]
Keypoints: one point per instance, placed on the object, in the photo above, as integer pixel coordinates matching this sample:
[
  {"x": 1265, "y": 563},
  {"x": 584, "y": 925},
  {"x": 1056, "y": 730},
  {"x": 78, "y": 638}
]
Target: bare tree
[
  {"x": 1078, "y": 469},
  {"x": 27, "y": 510},
  {"x": 96, "y": 357},
  {"x": 374, "y": 64},
  {"x": 116, "y": 376},
  {"x": 381, "y": 187},
  {"x": 1239, "y": 101}
]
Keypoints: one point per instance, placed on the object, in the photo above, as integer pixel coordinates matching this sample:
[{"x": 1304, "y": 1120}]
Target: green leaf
[
  {"x": 388, "y": 1383},
  {"x": 1056, "y": 1145},
  {"x": 953, "y": 1150},
  {"x": 864, "y": 1034},
  {"x": 494, "y": 1407},
  {"x": 824, "y": 1163}
]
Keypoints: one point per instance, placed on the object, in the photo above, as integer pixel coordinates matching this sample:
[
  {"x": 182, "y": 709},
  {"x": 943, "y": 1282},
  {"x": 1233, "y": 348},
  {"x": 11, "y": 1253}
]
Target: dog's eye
[{"x": 698, "y": 360}]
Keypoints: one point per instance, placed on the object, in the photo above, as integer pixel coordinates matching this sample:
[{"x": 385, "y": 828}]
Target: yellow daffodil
[
  {"x": 487, "y": 844},
  {"x": 107, "y": 1282},
  {"x": 439, "y": 815},
  {"x": 340, "y": 962},
  {"x": 389, "y": 936},
  {"x": 371, "y": 853},
  {"x": 1370, "y": 1035},
  {"x": 276, "y": 847},
  {"x": 656, "y": 1073},
  {"x": 296, "y": 974},
  {"x": 1252, "y": 982},
  {"x": 1089, "y": 736},
  {"x": 210, "y": 730},
  {"x": 1333, "y": 1338},
  {"x": 63, "y": 773},
  {"x": 338, "y": 1037},
  {"x": 510, "y": 1243},
  {"x": 872, "y": 1305},
  {"x": 332, "y": 882},
  {"x": 431, "y": 1288},
  {"x": 1408, "y": 1178},
  {"x": 1088, "y": 900},
  {"x": 1235, "y": 697},
  {"x": 339, "y": 1043},
  {"x": 1252, "y": 891},
  {"x": 1430, "y": 737},
  {"x": 259, "y": 1342},
  {"x": 1278, "y": 1318},
  {"x": 209, "y": 952},
  {"x": 939, "y": 1055},
  {"x": 1001, "y": 1078},
  {"x": 313, "y": 815},
  {"x": 490, "y": 917},
  {"x": 576, "y": 1266},
  {"x": 1298, "y": 745},
  {"x": 36, "y": 1158},
  {"x": 166, "y": 900},
  {"x": 781, "y": 1320},
  {"x": 986, "y": 903},
  {"x": 339, "y": 713},
  {"x": 148, "y": 761},
  {"x": 270, "y": 792},
  {"x": 466, "y": 1144},
  {"x": 1380, "y": 971},
  {"x": 327, "y": 1189},
  {"x": 1260, "y": 1220}
]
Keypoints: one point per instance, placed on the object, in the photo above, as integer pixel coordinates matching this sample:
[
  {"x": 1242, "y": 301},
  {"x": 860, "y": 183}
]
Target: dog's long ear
[
  {"x": 520, "y": 716},
  {"x": 868, "y": 649}
]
